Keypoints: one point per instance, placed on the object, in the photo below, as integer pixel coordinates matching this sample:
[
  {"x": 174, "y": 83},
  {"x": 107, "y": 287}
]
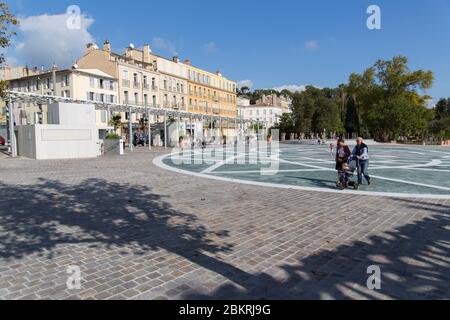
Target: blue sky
[{"x": 269, "y": 43}]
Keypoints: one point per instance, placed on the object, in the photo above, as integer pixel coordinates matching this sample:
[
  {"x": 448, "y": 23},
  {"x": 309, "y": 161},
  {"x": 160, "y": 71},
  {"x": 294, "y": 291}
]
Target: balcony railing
[
  {"x": 136, "y": 85},
  {"x": 145, "y": 86},
  {"x": 154, "y": 88},
  {"x": 126, "y": 83}
]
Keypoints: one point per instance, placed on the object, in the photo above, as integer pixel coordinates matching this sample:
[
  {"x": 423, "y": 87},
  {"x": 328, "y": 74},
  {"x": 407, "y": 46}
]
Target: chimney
[
  {"x": 54, "y": 68},
  {"x": 218, "y": 72},
  {"x": 91, "y": 47},
  {"x": 176, "y": 59},
  {"x": 147, "y": 53},
  {"x": 107, "y": 46},
  {"x": 26, "y": 71},
  {"x": 187, "y": 62}
]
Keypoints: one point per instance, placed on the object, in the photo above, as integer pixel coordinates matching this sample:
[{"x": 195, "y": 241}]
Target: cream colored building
[
  {"x": 83, "y": 84},
  {"x": 139, "y": 77},
  {"x": 267, "y": 110}
]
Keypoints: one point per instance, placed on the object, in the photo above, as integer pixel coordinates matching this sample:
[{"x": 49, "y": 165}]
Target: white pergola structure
[{"x": 39, "y": 99}]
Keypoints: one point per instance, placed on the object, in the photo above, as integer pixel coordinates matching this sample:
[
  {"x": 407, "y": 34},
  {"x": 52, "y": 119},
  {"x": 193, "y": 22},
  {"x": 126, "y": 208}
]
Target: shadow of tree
[
  {"x": 414, "y": 260},
  {"x": 37, "y": 218}
]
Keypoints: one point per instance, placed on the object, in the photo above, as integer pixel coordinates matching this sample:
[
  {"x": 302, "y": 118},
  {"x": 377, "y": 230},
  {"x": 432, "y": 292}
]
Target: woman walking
[{"x": 343, "y": 153}]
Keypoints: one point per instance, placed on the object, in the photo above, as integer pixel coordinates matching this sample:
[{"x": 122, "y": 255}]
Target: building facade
[
  {"x": 83, "y": 84},
  {"x": 136, "y": 77},
  {"x": 267, "y": 110}
]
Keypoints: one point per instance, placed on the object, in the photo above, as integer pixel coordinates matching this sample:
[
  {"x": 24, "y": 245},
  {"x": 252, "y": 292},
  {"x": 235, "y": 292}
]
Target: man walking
[{"x": 361, "y": 152}]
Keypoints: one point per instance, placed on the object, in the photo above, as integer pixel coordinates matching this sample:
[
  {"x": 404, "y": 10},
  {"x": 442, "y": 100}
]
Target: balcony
[
  {"x": 154, "y": 88},
  {"x": 126, "y": 83},
  {"x": 136, "y": 85},
  {"x": 145, "y": 86}
]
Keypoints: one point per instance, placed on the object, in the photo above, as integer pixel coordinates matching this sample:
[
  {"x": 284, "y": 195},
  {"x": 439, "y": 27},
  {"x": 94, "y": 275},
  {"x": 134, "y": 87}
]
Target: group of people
[{"x": 360, "y": 153}]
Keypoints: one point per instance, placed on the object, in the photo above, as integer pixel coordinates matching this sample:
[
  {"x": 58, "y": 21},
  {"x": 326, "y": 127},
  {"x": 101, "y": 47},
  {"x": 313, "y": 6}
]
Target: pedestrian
[
  {"x": 343, "y": 153},
  {"x": 331, "y": 148},
  {"x": 361, "y": 152}
]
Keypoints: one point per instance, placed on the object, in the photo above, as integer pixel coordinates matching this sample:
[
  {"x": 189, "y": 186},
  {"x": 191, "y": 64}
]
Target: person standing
[{"x": 361, "y": 152}]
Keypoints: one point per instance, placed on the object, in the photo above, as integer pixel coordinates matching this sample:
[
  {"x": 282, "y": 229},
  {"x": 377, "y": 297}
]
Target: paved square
[{"x": 140, "y": 232}]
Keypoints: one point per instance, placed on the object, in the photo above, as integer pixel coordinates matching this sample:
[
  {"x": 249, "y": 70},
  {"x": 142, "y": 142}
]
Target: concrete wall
[
  {"x": 57, "y": 142},
  {"x": 71, "y": 114}
]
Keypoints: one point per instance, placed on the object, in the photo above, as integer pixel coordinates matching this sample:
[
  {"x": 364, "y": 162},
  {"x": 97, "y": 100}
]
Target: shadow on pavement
[{"x": 414, "y": 258}]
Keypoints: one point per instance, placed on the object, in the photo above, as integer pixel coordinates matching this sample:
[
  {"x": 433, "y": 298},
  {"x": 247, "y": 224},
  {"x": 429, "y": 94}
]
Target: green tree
[
  {"x": 116, "y": 121},
  {"x": 440, "y": 123},
  {"x": 7, "y": 21},
  {"x": 387, "y": 99}
]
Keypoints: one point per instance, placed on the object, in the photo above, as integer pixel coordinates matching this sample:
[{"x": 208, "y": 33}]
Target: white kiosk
[{"x": 71, "y": 133}]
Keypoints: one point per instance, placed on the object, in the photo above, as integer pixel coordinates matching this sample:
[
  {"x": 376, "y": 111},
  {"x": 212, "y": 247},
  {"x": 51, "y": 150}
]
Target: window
[
  {"x": 145, "y": 99},
  {"x": 65, "y": 94},
  {"x": 136, "y": 80},
  {"x": 102, "y": 97},
  {"x": 153, "y": 83},
  {"x": 103, "y": 116},
  {"x": 125, "y": 74},
  {"x": 125, "y": 96},
  {"x": 182, "y": 88},
  {"x": 136, "y": 98},
  {"x": 144, "y": 80},
  {"x": 64, "y": 80},
  {"x": 154, "y": 101},
  {"x": 92, "y": 82},
  {"x": 165, "y": 84},
  {"x": 101, "y": 84}
]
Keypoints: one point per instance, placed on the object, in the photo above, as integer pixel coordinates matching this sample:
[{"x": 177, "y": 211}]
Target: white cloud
[
  {"x": 210, "y": 47},
  {"x": 291, "y": 87},
  {"x": 312, "y": 45},
  {"x": 165, "y": 45},
  {"x": 245, "y": 83},
  {"x": 46, "y": 39}
]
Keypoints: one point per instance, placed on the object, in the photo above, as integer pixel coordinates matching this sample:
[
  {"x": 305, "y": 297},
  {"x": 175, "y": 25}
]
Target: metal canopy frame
[{"x": 26, "y": 97}]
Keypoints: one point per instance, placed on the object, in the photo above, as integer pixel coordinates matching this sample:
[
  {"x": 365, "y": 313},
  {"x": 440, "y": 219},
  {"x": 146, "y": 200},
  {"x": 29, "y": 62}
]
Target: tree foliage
[
  {"x": 386, "y": 101},
  {"x": 7, "y": 21}
]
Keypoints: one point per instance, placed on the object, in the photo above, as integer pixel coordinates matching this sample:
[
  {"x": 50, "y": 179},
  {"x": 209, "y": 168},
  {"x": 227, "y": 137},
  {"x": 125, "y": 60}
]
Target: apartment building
[
  {"x": 210, "y": 93},
  {"x": 174, "y": 84},
  {"x": 136, "y": 77},
  {"x": 267, "y": 110},
  {"x": 83, "y": 84},
  {"x": 7, "y": 73}
]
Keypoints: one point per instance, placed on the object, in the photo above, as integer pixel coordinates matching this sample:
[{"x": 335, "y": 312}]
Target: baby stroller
[{"x": 346, "y": 175}]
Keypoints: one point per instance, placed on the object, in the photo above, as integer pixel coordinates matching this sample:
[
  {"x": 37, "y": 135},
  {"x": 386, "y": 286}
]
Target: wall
[{"x": 44, "y": 142}]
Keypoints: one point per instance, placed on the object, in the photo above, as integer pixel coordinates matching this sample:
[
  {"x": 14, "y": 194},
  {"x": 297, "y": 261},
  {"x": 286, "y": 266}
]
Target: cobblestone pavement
[{"x": 139, "y": 232}]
